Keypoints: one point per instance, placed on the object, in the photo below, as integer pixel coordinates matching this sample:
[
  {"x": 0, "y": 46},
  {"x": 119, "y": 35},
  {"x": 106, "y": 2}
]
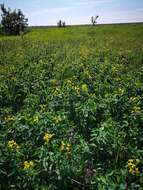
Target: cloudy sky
[{"x": 48, "y": 12}]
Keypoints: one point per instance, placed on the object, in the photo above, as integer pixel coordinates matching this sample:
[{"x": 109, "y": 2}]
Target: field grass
[{"x": 71, "y": 109}]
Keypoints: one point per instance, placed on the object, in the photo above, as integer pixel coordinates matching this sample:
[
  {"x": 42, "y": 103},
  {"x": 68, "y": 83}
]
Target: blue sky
[{"x": 48, "y": 12}]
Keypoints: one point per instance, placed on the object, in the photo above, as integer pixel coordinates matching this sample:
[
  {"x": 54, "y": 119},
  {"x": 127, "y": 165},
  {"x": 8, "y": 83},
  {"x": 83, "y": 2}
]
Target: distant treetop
[{"x": 94, "y": 20}]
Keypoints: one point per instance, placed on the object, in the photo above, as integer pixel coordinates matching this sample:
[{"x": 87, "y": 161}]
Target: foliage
[
  {"x": 71, "y": 109},
  {"x": 13, "y": 22},
  {"x": 61, "y": 23},
  {"x": 94, "y": 20}
]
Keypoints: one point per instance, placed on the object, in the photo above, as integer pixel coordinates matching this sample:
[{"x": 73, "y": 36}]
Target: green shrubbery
[
  {"x": 12, "y": 22},
  {"x": 71, "y": 116}
]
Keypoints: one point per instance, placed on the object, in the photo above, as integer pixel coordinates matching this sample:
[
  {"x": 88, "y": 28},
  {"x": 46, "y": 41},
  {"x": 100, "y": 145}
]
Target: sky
[{"x": 48, "y": 12}]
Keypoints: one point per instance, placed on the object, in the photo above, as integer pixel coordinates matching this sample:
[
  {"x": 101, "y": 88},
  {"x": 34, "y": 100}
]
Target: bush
[{"x": 13, "y": 22}]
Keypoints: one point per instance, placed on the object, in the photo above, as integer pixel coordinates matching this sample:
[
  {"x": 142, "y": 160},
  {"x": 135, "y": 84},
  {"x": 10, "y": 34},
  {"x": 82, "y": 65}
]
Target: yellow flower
[
  {"x": 12, "y": 145},
  {"x": 136, "y": 171},
  {"x": 36, "y": 118},
  {"x": 57, "y": 119},
  {"x": 131, "y": 170},
  {"x": 132, "y": 99},
  {"x": 132, "y": 165},
  {"x": 28, "y": 165},
  {"x": 47, "y": 137},
  {"x": 114, "y": 69},
  {"x": 68, "y": 148},
  {"x": 77, "y": 89},
  {"x": 130, "y": 161},
  {"x": 62, "y": 145},
  {"x": 9, "y": 119},
  {"x": 136, "y": 110},
  {"x": 68, "y": 81}
]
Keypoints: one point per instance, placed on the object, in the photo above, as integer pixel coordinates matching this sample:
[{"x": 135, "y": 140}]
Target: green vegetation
[
  {"x": 12, "y": 22},
  {"x": 71, "y": 109}
]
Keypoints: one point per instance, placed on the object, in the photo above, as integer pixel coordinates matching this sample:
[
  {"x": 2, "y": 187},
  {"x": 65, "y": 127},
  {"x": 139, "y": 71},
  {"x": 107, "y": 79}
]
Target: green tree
[
  {"x": 59, "y": 23},
  {"x": 13, "y": 22}
]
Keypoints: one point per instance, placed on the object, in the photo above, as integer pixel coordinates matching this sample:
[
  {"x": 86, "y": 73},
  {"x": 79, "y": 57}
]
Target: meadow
[{"x": 71, "y": 109}]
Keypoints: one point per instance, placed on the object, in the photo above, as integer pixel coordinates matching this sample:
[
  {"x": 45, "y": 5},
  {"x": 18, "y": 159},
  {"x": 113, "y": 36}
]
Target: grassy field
[{"x": 71, "y": 109}]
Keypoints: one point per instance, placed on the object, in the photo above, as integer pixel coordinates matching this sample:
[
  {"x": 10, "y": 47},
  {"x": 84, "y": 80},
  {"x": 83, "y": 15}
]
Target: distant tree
[
  {"x": 13, "y": 22},
  {"x": 59, "y": 23},
  {"x": 64, "y": 24},
  {"x": 94, "y": 20}
]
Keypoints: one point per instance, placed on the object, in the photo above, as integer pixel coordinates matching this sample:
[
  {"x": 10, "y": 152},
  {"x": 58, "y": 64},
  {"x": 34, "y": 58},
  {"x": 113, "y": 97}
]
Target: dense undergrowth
[{"x": 71, "y": 109}]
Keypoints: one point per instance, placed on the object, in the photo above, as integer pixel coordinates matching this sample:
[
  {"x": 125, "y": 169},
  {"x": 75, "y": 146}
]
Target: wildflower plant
[
  {"x": 65, "y": 147},
  {"x": 47, "y": 137},
  {"x": 12, "y": 145},
  {"x": 133, "y": 166},
  {"x": 71, "y": 104},
  {"x": 28, "y": 165}
]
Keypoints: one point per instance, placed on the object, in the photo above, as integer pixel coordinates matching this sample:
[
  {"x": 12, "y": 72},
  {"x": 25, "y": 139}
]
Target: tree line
[{"x": 15, "y": 23}]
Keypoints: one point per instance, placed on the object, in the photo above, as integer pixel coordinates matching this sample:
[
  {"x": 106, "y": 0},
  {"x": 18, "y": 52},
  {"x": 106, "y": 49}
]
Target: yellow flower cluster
[
  {"x": 77, "y": 89},
  {"x": 133, "y": 99},
  {"x": 36, "y": 118},
  {"x": 9, "y": 119},
  {"x": 47, "y": 137},
  {"x": 73, "y": 86},
  {"x": 114, "y": 69},
  {"x": 28, "y": 165},
  {"x": 66, "y": 147},
  {"x": 132, "y": 166},
  {"x": 136, "y": 110},
  {"x": 57, "y": 119},
  {"x": 68, "y": 81},
  {"x": 12, "y": 145}
]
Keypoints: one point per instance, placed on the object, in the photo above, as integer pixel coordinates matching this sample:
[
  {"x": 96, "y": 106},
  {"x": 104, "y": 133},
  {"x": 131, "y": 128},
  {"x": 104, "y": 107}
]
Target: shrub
[{"x": 13, "y": 22}]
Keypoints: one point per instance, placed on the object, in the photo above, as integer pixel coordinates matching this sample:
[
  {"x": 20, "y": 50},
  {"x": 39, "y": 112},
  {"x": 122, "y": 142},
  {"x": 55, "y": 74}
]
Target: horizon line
[{"x": 114, "y": 23}]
